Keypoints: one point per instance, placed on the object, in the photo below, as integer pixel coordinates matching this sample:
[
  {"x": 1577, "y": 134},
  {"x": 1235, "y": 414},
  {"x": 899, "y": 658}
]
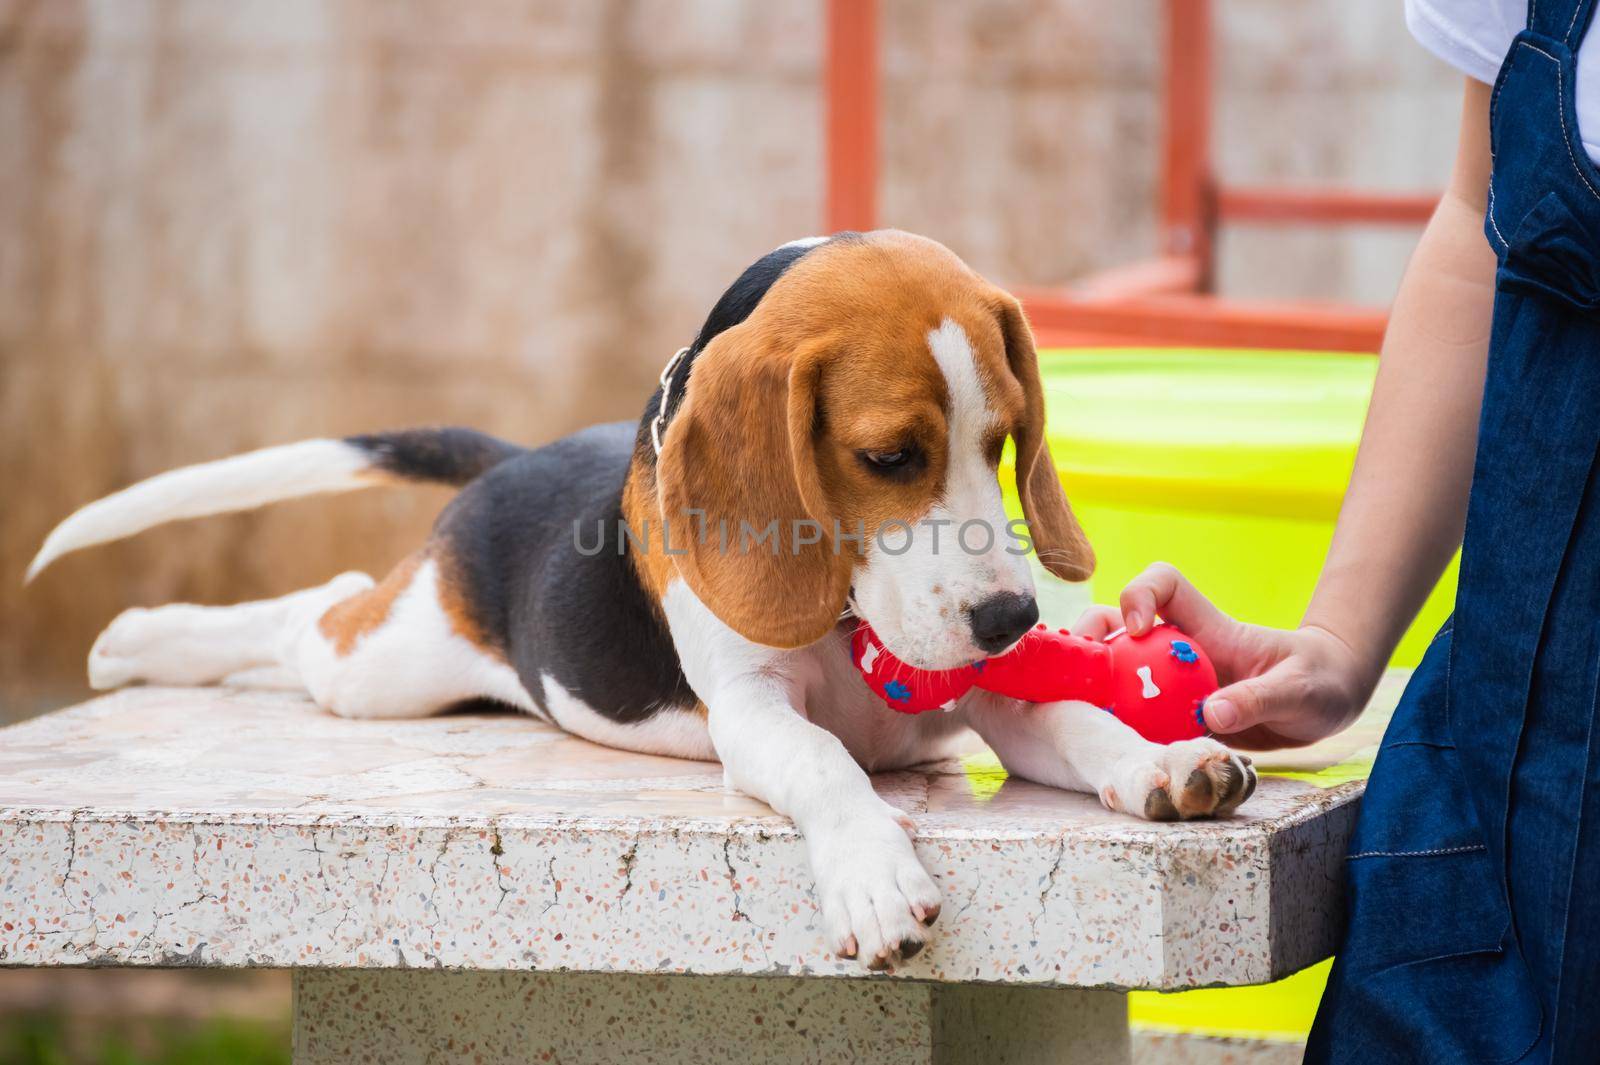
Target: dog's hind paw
[{"x": 118, "y": 652}]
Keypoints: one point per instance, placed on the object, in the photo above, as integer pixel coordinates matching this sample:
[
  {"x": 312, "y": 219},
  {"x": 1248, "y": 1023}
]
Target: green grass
[{"x": 56, "y": 1039}]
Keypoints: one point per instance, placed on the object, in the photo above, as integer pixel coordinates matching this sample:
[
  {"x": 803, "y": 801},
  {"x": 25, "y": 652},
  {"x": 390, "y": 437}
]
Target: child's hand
[{"x": 1281, "y": 687}]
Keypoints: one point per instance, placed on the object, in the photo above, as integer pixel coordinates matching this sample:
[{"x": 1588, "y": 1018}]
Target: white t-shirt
[{"x": 1474, "y": 35}]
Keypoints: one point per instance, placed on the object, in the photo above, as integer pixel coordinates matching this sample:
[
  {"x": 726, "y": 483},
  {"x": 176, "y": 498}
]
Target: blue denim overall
[{"x": 1474, "y": 875}]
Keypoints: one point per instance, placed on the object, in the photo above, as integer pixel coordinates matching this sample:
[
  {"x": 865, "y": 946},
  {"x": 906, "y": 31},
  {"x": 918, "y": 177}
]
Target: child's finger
[
  {"x": 1235, "y": 708},
  {"x": 1254, "y": 701},
  {"x": 1097, "y": 622},
  {"x": 1162, "y": 590}
]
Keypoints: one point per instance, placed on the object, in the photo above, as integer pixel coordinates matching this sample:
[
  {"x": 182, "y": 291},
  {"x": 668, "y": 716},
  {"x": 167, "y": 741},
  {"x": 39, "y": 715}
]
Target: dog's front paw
[
  {"x": 877, "y": 901},
  {"x": 1194, "y": 778}
]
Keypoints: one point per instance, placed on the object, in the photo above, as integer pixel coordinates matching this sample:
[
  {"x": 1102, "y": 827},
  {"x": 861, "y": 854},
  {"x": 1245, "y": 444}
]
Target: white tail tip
[{"x": 242, "y": 482}]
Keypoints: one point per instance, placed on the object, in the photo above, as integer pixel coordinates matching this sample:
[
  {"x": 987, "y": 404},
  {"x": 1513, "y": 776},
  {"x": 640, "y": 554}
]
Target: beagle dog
[{"x": 686, "y": 585}]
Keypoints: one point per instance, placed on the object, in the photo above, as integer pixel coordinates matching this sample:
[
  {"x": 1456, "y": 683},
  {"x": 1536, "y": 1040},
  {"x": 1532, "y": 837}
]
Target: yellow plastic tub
[{"x": 1231, "y": 465}]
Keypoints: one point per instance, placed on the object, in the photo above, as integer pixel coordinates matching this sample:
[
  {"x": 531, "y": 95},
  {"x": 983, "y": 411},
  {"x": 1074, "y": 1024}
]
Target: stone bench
[{"x": 483, "y": 887}]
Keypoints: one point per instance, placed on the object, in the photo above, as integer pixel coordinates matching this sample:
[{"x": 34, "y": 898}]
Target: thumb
[{"x": 1243, "y": 705}]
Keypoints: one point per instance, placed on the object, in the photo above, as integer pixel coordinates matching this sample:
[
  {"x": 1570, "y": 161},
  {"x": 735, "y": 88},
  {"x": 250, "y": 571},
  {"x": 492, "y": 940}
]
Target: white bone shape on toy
[
  {"x": 1150, "y": 690},
  {"x": 868, "y": 657}
]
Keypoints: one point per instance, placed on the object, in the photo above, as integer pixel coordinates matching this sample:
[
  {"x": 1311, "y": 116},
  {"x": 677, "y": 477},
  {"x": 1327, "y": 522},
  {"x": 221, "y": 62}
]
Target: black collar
[{"x": 674, "y": 383}]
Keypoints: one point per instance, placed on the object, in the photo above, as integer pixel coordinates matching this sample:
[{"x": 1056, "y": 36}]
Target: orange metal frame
[{"x": 1169, "y": 300}]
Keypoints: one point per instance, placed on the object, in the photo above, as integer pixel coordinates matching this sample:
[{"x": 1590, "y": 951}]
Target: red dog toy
[{"x": 1155, "y": 683}]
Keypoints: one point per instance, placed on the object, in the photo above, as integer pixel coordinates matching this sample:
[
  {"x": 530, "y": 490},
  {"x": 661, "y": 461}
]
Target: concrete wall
[{"x": 229, "y": 225}]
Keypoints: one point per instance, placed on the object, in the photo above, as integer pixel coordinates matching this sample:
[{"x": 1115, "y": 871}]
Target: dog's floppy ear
[
  {"x": 739, "y": 486},
  {"x": 1057, "y": 537}
]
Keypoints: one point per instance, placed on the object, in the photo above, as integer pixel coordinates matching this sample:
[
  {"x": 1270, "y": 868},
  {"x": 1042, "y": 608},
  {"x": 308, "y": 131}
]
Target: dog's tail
[{"x": 311, "y": 467}]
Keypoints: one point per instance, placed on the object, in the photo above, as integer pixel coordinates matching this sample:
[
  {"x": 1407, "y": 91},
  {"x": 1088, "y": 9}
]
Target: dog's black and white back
[{"x": 685, "y": 585}]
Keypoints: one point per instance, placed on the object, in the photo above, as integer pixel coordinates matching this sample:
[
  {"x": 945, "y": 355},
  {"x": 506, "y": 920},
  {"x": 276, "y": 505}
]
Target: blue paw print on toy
[
  {"x": 979, "y": 664},
  {"x": 897, "y": 691},
  {"x": 1183, "y": 652},
  {"x": 1200, "y": 713}
]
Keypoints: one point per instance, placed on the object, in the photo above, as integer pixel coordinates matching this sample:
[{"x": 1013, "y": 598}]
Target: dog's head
[{"x": 839, "y": 439}]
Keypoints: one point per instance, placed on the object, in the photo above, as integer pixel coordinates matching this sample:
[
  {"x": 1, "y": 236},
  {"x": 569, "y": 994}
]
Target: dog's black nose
[{"x": 1000, "y": 620}]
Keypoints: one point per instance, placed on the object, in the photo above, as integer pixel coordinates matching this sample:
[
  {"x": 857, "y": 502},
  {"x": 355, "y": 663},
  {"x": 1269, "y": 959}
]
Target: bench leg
[{"x": 420, "y": 1017}]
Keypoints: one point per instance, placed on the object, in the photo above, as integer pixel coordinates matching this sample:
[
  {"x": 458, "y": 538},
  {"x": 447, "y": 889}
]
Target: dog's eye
[{"x": 899, "y": 461}]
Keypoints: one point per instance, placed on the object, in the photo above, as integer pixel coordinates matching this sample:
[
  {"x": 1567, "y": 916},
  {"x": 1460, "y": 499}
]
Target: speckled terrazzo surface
[{"x": 173, "y": 826}]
